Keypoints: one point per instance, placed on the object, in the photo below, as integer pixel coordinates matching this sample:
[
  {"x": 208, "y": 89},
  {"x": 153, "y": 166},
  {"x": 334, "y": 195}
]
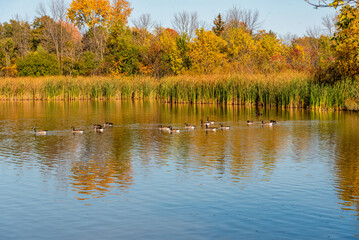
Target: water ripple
[{"x": 295, "y": 180}]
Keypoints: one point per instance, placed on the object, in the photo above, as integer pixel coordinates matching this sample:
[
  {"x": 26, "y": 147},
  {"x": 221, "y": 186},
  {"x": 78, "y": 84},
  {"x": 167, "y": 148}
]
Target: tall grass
[{"x": 293, "y": 90}]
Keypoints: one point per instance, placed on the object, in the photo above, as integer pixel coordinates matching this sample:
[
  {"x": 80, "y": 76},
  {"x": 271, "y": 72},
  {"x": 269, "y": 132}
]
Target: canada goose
[
  {"x": 266, "y": 123},
  {"x": 174, "y": 130},
  {"x": 77, "y": 130},
  {"x": 42, "y": 132},
  {"x": 204, "y": 123},
  {"x": 250, "y": 122},
  {"x": 224, "y": 127},
  {"x": 274, "y": 122},
  {"x": 209, "y": 121},
  {"x": 211, "y": 128},
  {"x": 97, "y": 128},
  {"x": 189, "y": 126},
  {"x": 164, "y": 128},
  {"x": 108, "y": 124}
]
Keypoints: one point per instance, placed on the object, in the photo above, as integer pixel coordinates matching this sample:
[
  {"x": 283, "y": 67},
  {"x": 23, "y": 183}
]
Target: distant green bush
[
  {"x": 39, "y": 63},
  {"x": 87, "y": 64}
]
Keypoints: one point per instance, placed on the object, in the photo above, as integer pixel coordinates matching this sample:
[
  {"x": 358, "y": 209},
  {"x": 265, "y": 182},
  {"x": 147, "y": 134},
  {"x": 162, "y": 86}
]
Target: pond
[{"x": 297, "y": 179}]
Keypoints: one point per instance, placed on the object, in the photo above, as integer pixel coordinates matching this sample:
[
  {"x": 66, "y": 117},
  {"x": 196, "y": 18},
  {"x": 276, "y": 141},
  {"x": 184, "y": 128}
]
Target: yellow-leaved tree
[
  {"x": 346, "y": 40},
  {"x": 241, "y": 47},
  {"x": 89, "y": 13},
  {"x": 171, "y": 53},
  {"x": 97, "y": 16},
  {"x": 207, "y": 51},
  {"x": 120, "y": 11},
  {"x": 163, "y": 56},
  {"x": 270, "y": 52}
]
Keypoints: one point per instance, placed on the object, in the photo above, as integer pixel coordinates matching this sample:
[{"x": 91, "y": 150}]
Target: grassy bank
[{"x": 279, "y": 90}]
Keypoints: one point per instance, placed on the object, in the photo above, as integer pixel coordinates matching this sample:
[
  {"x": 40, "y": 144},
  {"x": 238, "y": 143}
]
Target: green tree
[
  {"x": 14, "y": 43},
  {"x": 7, "y": 57},
  {"x": 87, "y": 64},
  {"x": 122, "y": 53},
  {"x": 19, "y": 32},
  {"x": 183, "y": 48},
  {"x": 39, "y": 63}
]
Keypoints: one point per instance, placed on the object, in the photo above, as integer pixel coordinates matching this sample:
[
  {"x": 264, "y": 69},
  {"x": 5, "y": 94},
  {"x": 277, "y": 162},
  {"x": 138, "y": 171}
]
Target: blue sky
[{"x": 280, "y": 16}]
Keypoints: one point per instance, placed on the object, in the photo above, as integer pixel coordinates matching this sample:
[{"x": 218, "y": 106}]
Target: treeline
[{"x": 94, "y": 38}]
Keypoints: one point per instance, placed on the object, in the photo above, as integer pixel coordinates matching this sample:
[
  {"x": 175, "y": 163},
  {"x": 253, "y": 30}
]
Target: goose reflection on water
[{"x": 134, "y": 170}]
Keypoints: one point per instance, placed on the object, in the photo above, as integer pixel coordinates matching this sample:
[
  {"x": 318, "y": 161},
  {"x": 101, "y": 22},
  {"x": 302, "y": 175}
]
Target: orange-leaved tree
[
  {"x": 89, "y": 13},
  {"x": 97, "y": 16},
  {"x": 163, "y": 56},
  {"x": 120, "y": 11}
]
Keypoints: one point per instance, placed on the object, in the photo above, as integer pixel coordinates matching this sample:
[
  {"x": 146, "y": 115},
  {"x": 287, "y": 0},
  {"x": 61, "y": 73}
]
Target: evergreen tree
[{"x": 219, "y": 25}]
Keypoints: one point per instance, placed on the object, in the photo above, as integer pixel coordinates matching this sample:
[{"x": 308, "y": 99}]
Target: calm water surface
[{"x": 296, "y": 180}]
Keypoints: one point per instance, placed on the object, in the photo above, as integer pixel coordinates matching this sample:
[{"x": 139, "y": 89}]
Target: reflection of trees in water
[
  {"x": 347, "y": 161},
  {"x": 105, "y": 164},
  {"x": 98, "y": 176},
  {"x": 100, "y": 164}
]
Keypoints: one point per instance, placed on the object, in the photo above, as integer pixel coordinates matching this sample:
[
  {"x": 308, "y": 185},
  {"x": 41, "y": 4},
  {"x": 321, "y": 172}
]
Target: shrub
[
  {"x": 39, "y": 63},
  {"x": 87, "y": 64}
]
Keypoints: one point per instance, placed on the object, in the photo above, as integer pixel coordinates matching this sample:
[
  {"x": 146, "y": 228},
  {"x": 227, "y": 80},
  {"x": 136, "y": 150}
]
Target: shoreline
[
  {"x": 186, "y": 103},
  {"x": 293, "y": 90}
]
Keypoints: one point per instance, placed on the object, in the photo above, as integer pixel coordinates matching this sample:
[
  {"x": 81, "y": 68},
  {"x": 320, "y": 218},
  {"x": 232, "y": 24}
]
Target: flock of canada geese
[
  {"x": 208, "y": 126},
  {"x": 96, "y": 127}
]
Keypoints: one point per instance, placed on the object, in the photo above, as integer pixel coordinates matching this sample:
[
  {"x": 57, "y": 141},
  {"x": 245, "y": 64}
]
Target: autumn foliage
[{"x": 96, "y": 39}]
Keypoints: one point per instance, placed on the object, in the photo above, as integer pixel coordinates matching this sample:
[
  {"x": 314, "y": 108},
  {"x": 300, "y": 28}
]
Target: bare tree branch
[
  {"x": 251, "y": 19},
  {"x": 41, "y": 10},
  {"x": 55, "y": 26},
  {"x": 204, "y": 25},
  {"x": 326, "y": 3},
  {"x": 328, "y": 22},
  {"x": 143, "y": 22},
  {"x": 314, "y": 32},
  {"x": 238, "y": 18},
  {"x": 21, "y": 35},
  {"x": 186, "y": 23},
  {"x": 233, "y": 17},
  {"x": 288, "y": 38},
  {"x": 58, "y": 10}
]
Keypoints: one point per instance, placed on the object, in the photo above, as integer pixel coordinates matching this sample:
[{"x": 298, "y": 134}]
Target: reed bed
[{"x": 293, "y": 90}]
